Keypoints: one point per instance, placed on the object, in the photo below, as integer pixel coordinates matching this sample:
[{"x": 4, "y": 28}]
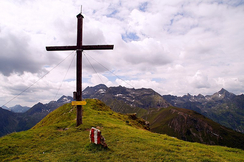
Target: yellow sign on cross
[{"x": 74, "y": 103}]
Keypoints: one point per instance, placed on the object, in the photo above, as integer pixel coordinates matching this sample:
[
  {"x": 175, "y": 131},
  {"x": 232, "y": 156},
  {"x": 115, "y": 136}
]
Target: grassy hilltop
[{"x": 56, "y": 138}]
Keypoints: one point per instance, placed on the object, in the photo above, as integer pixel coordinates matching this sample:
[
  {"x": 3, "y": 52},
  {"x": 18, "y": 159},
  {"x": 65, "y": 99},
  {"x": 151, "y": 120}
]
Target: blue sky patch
[
  {"x": 127, "y": 37},
  {"x": 69, "y": 80},
  {"x": 112, "y": 14},
  {"x": 143, "y": 6}
]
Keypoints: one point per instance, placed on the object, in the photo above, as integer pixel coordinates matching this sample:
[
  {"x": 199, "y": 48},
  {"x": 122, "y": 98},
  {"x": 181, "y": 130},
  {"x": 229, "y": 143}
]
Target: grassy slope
[{"x": 127, "y": 141}]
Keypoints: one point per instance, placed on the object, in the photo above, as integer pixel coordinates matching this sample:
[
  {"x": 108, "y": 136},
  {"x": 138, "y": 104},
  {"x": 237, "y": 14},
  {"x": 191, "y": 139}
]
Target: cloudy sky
[{"x": 172, "y": 46}]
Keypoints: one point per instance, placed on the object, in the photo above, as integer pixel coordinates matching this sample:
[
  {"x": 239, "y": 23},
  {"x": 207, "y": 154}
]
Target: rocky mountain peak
[
  {"x": 200, "y": 95},
  {"x": 101, "y": 86},
  {"x": 36, "y": 108},
  {"x": 100, "y": 89},
  {"x": 19, "y": 109},
  {"x": 5, "y": 107},
  {"x": 65, "y": 99},
  {"x": 223, "y": 91},
  {"x": 223, "y": 94}
]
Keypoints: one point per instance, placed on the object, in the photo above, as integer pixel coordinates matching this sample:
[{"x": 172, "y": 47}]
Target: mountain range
[
  {"x": 17, "y": 108},
  {"x": 222, "y": 107},
  {"x": 126, "y": 100},
  {"x": 164, "y": 113}
]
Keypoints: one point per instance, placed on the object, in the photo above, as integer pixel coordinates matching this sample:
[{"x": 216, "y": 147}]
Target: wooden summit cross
[{"x": 79, "y": 48}]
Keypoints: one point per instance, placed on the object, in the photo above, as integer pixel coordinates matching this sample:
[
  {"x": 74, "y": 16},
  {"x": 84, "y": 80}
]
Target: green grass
[{"x": 56, "y": 138}]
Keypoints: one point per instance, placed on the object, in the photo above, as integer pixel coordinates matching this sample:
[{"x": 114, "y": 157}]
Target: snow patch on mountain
[{"x": 102, "y": 91}]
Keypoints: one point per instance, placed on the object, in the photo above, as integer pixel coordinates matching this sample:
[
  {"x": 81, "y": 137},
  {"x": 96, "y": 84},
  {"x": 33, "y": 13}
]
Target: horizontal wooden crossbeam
[
  {"x": 61, "y": 48},
  {"x": 84, "y": 47}
]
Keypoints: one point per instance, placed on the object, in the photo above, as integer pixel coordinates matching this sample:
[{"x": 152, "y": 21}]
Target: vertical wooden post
[{"x": 79, "y": 68}]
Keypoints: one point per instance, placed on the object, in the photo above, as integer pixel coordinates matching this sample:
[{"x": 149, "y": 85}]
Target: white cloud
[
  {"x": 100, "y": 79},
  {"x": 174, "y": 47},
  {"x": 200, "y": 80},
  {"x": 142, "y": 83}
]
